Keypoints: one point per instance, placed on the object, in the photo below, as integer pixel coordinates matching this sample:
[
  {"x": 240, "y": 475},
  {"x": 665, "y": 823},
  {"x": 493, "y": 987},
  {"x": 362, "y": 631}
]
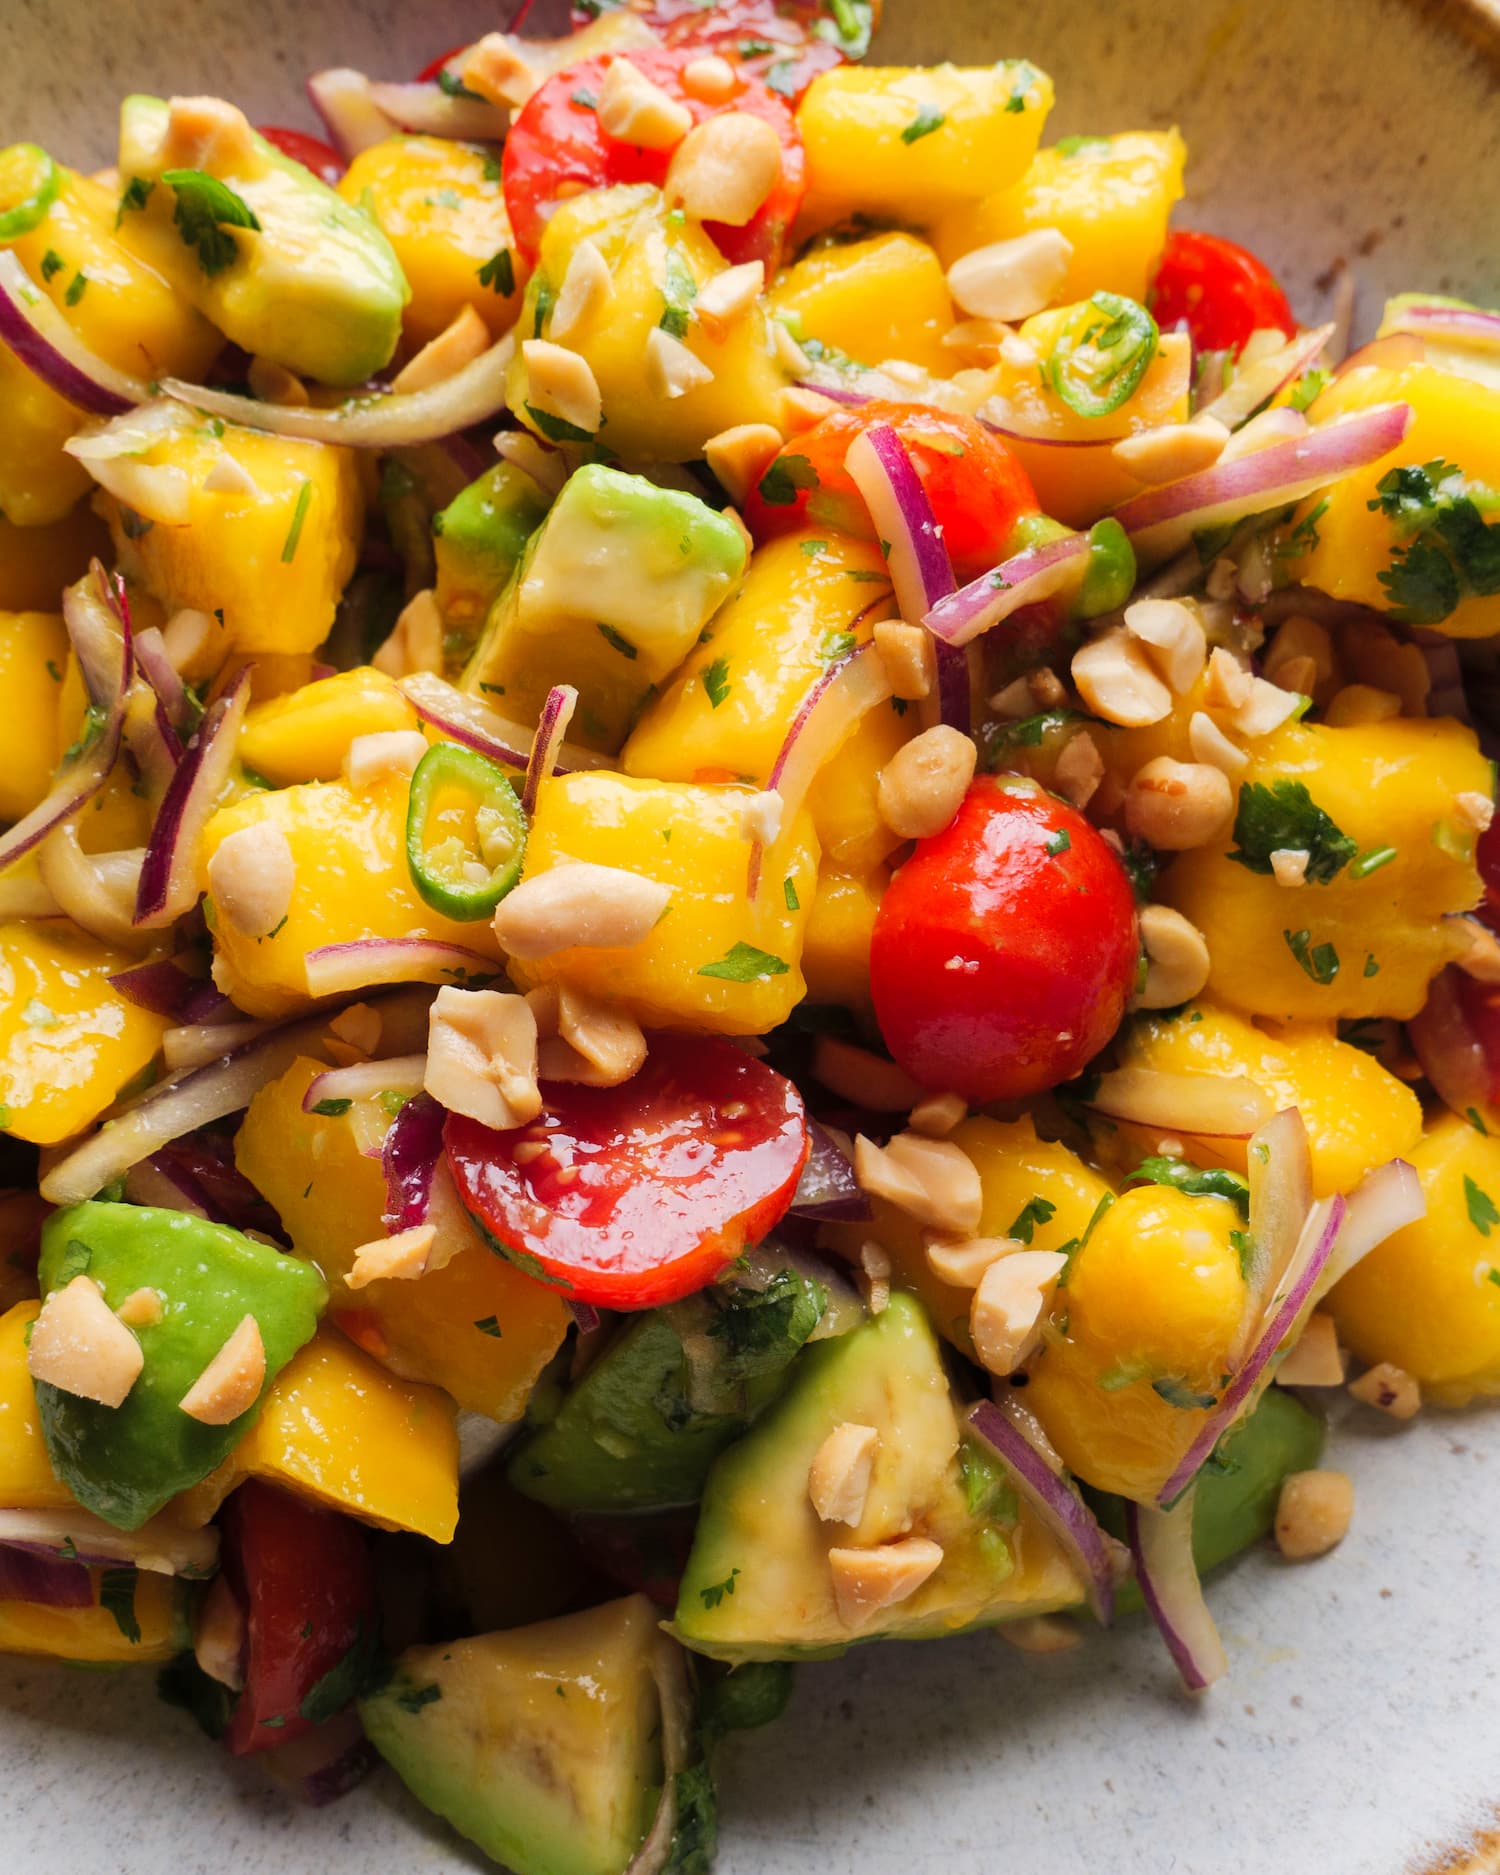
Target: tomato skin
[
  {"x": 557, "y": 145},
  {"x": 1220, "y": 291},
  {"x": 646, "y": 1191},
  {"x": 977, "y": 488},
  {"x": 311, "y": 152},
  {"x": 728, "y": 27},
  {"x": 1480, "y": 1006},
  {"x": 989, "y": 950},
  {"x": 304, "y": 1579}
]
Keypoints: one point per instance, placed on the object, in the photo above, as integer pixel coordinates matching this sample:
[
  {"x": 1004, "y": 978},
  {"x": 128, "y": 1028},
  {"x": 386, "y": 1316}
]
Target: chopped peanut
[
  {"x": 1209, "y": 744},
  {"x": 738, "y": 457},
  {"x": 206, "y": 133},
  {"x": 1172, "y": 450},
  {"x": 562, "y": 384},
  {"x": 460, "y": 342},
  {"x": 936, "y": 1115},
  {"x": 80, "y": 1347},
  {"x": 671, "y": 369},
  {"x": 1315, "y": 1358},
  {"x": 862, "y": 1078},
  {"x": 482, "y": 1056},
  {"x": 1174, "y": 638},
  {"x": 416, "y": 640},
  {"x": 1289, "y": 865},
  {"x": 962, "y": 1261},
  {"x": 584, "y": 1040},
  {"x": 1313, "y": 1512},
  {"x": 1229, "y": 683},
  {"x": 1175, "y": 806},
  {"x": 252, "y": 876},
  {"x": 142, "y": 1308},
  {"x": 383, "y": 752},
  {"x": 1298, "y": 675},
  {"x": 711, "y": 80},
  {"x": 729, "y": 296},
  {"x": 923, "y": 785},
  {"x": 1079, "y": 770},
  {"x": 1389, "y": 1389},
  {"x": 231, "y": 1383},
  {"x": 1011, "y": 280},
  {"x": 228, "y": 477},
  {"x": 1473, "y": 810},
  {"x": 359, "y": 1025},
  {"x": 838, "y": 1481},
  {"x": 800, "y": 409},
  {"x": 1005, "y": 1317},
  {"x": 1361, "y": 703},
  {"x": 498, "y": 70},
  {"x": 603, "y": 907},
  {"x": 1177, "y": 959},
  {"x": 725, "y": 168},
  {"x": 219, "y": 1635},
  {"x": 633, "y": 109},
  {"x": 272, "y": 383},
  {"x": 586, "y": 287},
  {"x": 1266, "y": 708},
  {"x": 401, "y": 1258},
  {"x": 932, "y": 1180},
  {"x": 909, "y": 656},
  {"x": 1116, "y": 680},
  {"x": 867, "y": 1580},
  {"x": 875, "y": 1267},
  {"x": 761, "y": 816}
]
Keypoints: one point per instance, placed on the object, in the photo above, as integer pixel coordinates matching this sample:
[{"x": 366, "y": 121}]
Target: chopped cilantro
[
  {"x": 716, "y": 682},
  {"x": 1449, "y": 549},
  {"x": 1371, "y": 861},
  {"x": 1475, "y": 1119},
  {"x": 927, "y": 119},
  {"x": 1482, "y": 1213},
  {"x": 344, "y": 1681},
  {"x": 1284, "y": 816},
  {"x": 117, "y": 1594},
  {"x": 1035, "y": 1211},
  {"x": 1307, "y": 387},
  {"x": 413, "y": 1698},
  {"x": 499, "y": 273},
  {"x": 743, "y": 963},
  {"x": 1080, "y": 146},
  {"x": 52, "y": 263},
  {"x": 299, "y": 515},
  {"x": 1071, "y": 1248},
  {"x": 1060, "y": 842},
  {"x": 557, "y": 429},
  {"x": 546, "y": 299},
  {"x": 789, "y": 893},
  {"x": 617, "y": 640},
  {"x": 785, "y": 479},
  {"x": 585, "y": 99},
  {"x": 782, "y": 77},
  {"x": 1244, "y": 1245},
  {"x": 679, "y": 290},
  {"x": 1177, "y": 1392},
  {"x": 205, "y": 207},
  {"x": 490, "y": 1326},
  {"x": 812, "y": 548},
  {"x": 836, "y": 645},
  {"x": 1367, "y": 1033},
  {"x": 53, "y": 672},
  {"x": 490, "y": 163},
  {"x": 137, "y": 194},
  {"x": 1372, "y": 968},
  {"x": 391, "y": 1101},
  {"x": 452, "y": 87},
  {"x": 711, "y": 1597},
  {"x": 1021, "y": 86},
  {"x": 1304, "y": 537},
  {"x": 1320, "y": 961},
  {"x": 331, "y": 1109},
  {"x": 1196, "y": 1181}
]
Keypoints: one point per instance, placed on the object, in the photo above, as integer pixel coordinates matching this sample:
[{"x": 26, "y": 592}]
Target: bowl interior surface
[{"x": 1356, "y": 1733}]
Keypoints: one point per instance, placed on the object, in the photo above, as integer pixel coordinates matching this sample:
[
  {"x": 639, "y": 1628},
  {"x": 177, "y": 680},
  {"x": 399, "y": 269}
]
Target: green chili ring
[
  {"x": 29, "y": 181},
  {"x": 465, "y": 875},
  {"x": 1120, "y": 338}
]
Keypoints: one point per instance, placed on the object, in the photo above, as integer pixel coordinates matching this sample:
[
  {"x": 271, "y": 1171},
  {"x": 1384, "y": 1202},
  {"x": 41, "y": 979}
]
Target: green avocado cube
[{"x": 478, "y": 540}]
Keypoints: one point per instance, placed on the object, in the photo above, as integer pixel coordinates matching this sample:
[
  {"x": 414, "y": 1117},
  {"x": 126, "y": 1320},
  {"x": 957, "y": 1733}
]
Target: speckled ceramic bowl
[{"x": 1359, "y": 1733}]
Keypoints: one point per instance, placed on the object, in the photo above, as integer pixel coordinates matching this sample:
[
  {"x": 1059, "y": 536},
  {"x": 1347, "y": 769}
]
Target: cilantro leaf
[
  {"x": 1482, "y": 1212},
  {"x": 205, "y": 207},
  {"x": 789, "y": 892},
  {"x": 1449, "y": 550},
  {"x": 117, "y": 1594},
  {"x": 618, "y": 641},
  {"x": 1421, "y": 584},
  {"x": 1035, "y": 1211},
  {"x": 332, "y": 1108},
  {"x": 1177, "y": 1392},
  {"x": 1285, "y": 816},
  {"x": 489, "y": 1325},
  {"x": 716, "y": 682},
  {"x": 743, "y": 963},
  {"x": 299, "y": 515},
  {"x": 1320, "y": 961},
  {"x": 712, "y": 1596},
  {"x": 1197, "y": 1181},
  {"x": 344, "y": 1681},
  {"x": 785, "y": 479},
  {"x": 499, "y": 273},
  {"x": 679, "y": 290},
  {"x": 557, "y": 429},
  {"x": 1245, "y": 1249},
  {"x": 927, "y": 119},
  {"x": 413, "y": 1698},
  {"x": 452, "y": 87}
]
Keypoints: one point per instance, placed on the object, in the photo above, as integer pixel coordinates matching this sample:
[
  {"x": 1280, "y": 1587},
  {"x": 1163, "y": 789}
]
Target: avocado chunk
[
  {"x": 478, "y": 540},
  {"x": 610, "y": 596},
  {"x": 275, "y": 258},
  {"x": 641, "y": 1428},
  {"x": 543, "y": 1745},
  {"x": 758, "y": 1584},
  {"x": 125, "y": 1462}
]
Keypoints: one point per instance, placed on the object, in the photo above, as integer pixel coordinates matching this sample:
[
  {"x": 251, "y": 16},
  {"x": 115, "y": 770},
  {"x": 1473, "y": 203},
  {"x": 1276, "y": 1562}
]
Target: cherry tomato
[
  {"x": 1004, "y": 948},
  {"x": 1218, "y": 290},
  {"x": 977, "y": 488},
  {"x": 302, "y": 1576},
  {"x": 1479, "y": 1007},
  {"x": 792, "y": 40},
  {"x": 643, "y": 1193},
  {"x": 311, "y": 152},
  {"x": 557, "y": 148}
]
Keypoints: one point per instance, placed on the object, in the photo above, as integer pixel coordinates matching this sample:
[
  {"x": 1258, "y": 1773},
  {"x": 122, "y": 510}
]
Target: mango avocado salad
[{"x": 748, "y": 902}]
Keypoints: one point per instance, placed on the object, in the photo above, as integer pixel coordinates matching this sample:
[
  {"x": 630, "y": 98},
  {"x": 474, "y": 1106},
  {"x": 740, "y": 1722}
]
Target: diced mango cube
[
  {"x": 33, "y": 657},
  {"x": 836, "y": 951},
  {"x": 877, "y": 299},
  {"x": 93, "y": 1636},
  {"x": 27, "y": 1480},
  {"x": 305, "y": 735},
  {"x": 36, "y": 563}
]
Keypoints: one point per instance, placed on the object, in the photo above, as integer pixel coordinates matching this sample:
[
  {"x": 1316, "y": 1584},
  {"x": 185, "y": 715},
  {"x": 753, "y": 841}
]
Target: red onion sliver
[
  {"x": 397, "y": 1074},
  {"x": 1019, "y": 1442},
  {"x": 541, "y": 763},
  {"x": 1162, "y": 1543},
  {"x": 1451, "y": 1054},
  {"x": 326, "y": 1763},
  {"x": 413, "y": 1147},
  {"x": 1279, "y": 1166},
  {"x": 827, "y": 1187},
  {"x": 1267, "y": 377},
  {"x": 462, "y": 718},
  {"x": 836, "y": 392},
  {"x": 1038, "y": 573},
  {"x": 1464, "y": 325},
  {"x": 1394, "y": 352},
  {"x": 162, "y": 987},
  {"x": 47, "y": 345},
  {"x": 353, "y": 120},
  {"x": 1161, "y": 520},
  {"x": 427, "y": 110},
  {"x": 160, "y": 1546},
  {"x": 26, "y": 1576},
  {"x": 169, "y": 877},
  {"x": 585, "y": 1315},
  {"x": 365, "y": 963},
  {"x": 1383, "y": 1202},
  {"x": 160, "y": 673}
]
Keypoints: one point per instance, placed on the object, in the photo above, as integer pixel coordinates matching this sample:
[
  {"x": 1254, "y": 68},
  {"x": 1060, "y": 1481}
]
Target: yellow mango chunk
[
  {"x": 1139, "y": 1338},
  {"x": 33, "y": 656},
  {"x": 1454, "y": 419},
  {"x": 27, "y": 1480},
  {"x": 909, "y": 142},
  {"x": 1390, "y": 784},
  {"x": 836, "y": 950},
  {"x": 38, "y": 483},
  {"x": 652, "y": 263},
  {"x": 1356, "y": 1112},
  {"x": 271, "y": 558},
  {"x": 330, "y": 1193},
  {"x": 844, "y": 799},
  {"x": 1016, "y": 1169},
  {"x": 68, "y": 1041},
  {"x": 802, "y": 598},
  {"x": 696, "y": 969},
  {"x": 1428, "y": 1298},
  {"x": 36, "y": 563},
  {"x": 349, "y": 849},
  {"x": 441, "y": 207},
  {"x": 304, "y": 735},
  {"x": 341, "y": 1429},
  {"x": 877, "y": 299},
  {"x": 93, "y": 1635},
  {"x": 1110, "y": 196}
]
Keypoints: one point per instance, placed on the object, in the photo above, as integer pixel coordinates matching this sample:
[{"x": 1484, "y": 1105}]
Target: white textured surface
[{"x": 1361, "y": 1728}]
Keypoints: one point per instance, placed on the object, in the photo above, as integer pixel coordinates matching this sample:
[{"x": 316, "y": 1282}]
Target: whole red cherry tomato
[
  {"x": 311, "y": 152},
  {"x": 557, "y": 148},
  {"x": 1004, "y": 948},
  {"x": 1218, "y": 290},
  {"x": 640, "y": 1194},
  {"x": 977, "y": 488}
]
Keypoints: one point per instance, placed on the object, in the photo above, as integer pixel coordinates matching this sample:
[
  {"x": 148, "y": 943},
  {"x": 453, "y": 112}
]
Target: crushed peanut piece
[
  {"x": 482, "y": 1056},
  {"x": 252, "y": 876},
  {"x": 460, "y": 342},
  {"x": 586, "y": 288},
  {"x": 401, "y": 1258},
  {"x": 924, "y": 783},
  {"x": 760, "y": 817},
  {"x": 800, "y": 409},
  {"x": 863, "y": 1078},
  {"x": 875, "y": 1267},
  {"x": 79, "y": 1346},
  {"x": 1006, "y": 1315},
  {"x": 226, "y": 476},
  {"x": 711, "y": 80},
  {"x": 206, "y": 133},
  {"x": 219, "y": 1635},
  {"x": 1174, "y": 639},
  {"x": 1361, "y": 703},
  {"x": 634, "y": 109},
  {"x": 932, "y": 1180},
  {"x": 1011, "y": 280},
  {"x": 1473, "y": 810},
  {"x": 1175, "y": 806},
  {"x": 382, "y": 753},
  {"x": 1229, "y": 683},
  {"x": 725, "y": 168},
  {"x": 1289, "y": 865},
  {"x": 231, "y": 1383},
  {"x": 272, "y": 383},
  {"x": 1266, "y": 708},
  {"x": 838, "y": 1481},
  {"x": 1079, "y": 769},
  {"x": 416, "y": 639},
  {"x": 936, "y": 1115},
  {"x": 729, "y": 296},
  {"x": 562, "y": 384},
  {"x": 498, "y": 70},
  {"x": 359, "y": 1025},
  {"x": 1172, "y": 450},
  {"x": 1208, "y": 743},
  {"x": 739, "y": 457},
  {"x": 962, "y": 1261},
  {"x": 1389, "y": 1389},
  {"x": 909, "y": 657},
  {"x": 671, "y": 369},
  {"x": 1315, "y": 1359},
  {"x": 583, "y": 1040},
  {"x": 142, "y": 1308},
  {"x": 1117, "y": 681},
  {"x": 867, "y": 1580},
  {"x": 1176, "y": 959},
  {"x": 1313, "y": 1512},
  {"x": 602, "y": 907}
]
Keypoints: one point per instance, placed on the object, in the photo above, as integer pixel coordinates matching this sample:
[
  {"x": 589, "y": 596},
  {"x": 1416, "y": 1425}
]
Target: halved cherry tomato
[
  {"x": 311, "y": 152},
  {"x": 557, "y": 148},
  {"x": 303, "y": 1578},
  {"x": 1218, "y": 290},
  {"x": 1004, "y": 948},
  {"x": 793, "y": 40},
  {"x": 1479, "y": 1006},
  {"x": 977, "y": 488},
  {"x": 643, "y": 1193}
]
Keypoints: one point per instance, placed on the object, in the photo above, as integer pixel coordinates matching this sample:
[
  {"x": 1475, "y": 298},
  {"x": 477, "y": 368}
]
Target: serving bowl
[{"x": 1346, "y": 140}]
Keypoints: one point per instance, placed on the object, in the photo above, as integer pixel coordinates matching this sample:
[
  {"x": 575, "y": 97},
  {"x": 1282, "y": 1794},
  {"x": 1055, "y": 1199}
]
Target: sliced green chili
[
  {"x": 1101, "y": 354},
  {"x": 465, "y": 832},
  {"x": 28, "y": 188}
]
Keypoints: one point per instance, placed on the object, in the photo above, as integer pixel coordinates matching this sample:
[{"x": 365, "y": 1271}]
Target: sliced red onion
[
  {"x": 169, "y": 877},
  {"x": 150, "y": 1184},
  {"x": 25, "y": 894},
  {"x": 352, "y": 118},
  {"x": 43, "y": 1579},
  {"x": 1279, "y": 1166},
  {"x": 461, "y": 718},
  {"x": 836, "y": 391},
  {"x": 1207, "y": 1105},
  {"x": 426, "y": 110},
  {"x": 364, "y": 963},
  {"x": 1392, "y": 353},
  {"x": 363, "y": 1080},
  {"x": 585, "y": 1315},
  {"x": 161, "y": 674},
  {"x": 1292, "y": 1297},
  {"x": 96, "y": 890},
  {"x": 154, "y": 745},
  {"x": 326, "y": 1763},
  {"x": 827, "y": 715},
  {"x": 1023, "y": 1448},
  {"x": 1037, "y": 573},
  {"x": 198, "y": 1173},
  {"x": 1008, "y": 433},
  {"x": 47, "y": 345},
  {"x": 1162, "y": 1543},
  {"x": 1384, "y": 1201},
  {"x": 1162, "y": 520},
  {"x": 541, "y": 763},
  {"x": 413, "y": 1147},
  {"x": 375, "y": 419},
  {"x": 1267, "y": 377},
  {"x": 1451, "y": 1054},
  {"x": 827, "y": 1189},
  {"x": 1464, "y": 325},
  {"x": 163, "y": 987},
  {"x": 160, "y": 1546}
]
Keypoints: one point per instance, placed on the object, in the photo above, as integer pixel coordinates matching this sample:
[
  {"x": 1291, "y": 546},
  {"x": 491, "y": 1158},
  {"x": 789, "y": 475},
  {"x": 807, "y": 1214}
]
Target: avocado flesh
[
  {"x": 478, "y": 540},
  {"x": 610, "y": 597},
  {"x": 541, "y": 1744},
  {"x": 757, "y": 1519},
  {"x": 318, "y": 289}
]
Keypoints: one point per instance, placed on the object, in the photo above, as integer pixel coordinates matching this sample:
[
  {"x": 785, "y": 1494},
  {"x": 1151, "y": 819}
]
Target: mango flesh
[
  {"x": 872, "y": 300},
  {"x": 93, "y": 1636},
  {"x": 33, "y": 657},
  {"x": 305, "y": 735}
]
